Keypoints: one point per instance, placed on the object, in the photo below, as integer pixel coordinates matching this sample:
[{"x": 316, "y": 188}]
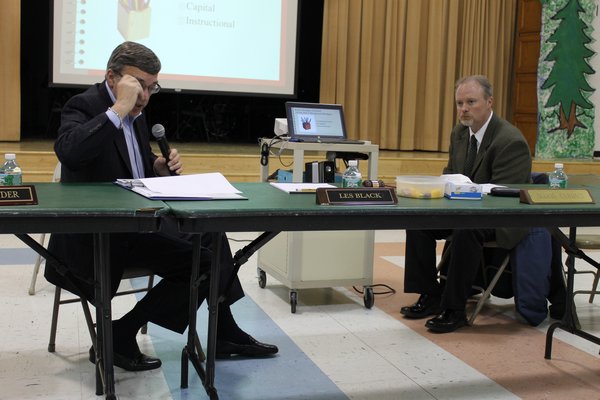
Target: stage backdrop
[{"x": 567, "y": 80}]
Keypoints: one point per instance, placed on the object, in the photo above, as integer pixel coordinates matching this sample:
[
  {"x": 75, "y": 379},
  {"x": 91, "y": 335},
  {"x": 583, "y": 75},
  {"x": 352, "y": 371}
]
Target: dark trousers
[
  {"x": 167, "y": 254},
  {"x": 167, "y": 303},
  {"x": 466, "y": 252}
]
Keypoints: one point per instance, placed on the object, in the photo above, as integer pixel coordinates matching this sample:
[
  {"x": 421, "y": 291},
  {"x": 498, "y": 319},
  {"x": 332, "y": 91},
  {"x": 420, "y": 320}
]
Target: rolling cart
[{"x": 307, "y": 260}]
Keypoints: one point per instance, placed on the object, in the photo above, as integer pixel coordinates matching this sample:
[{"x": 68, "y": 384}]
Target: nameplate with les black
[
  {"x": 23, "y": 195},
  {"x": 556, "y": 196},
  {"x": 384, "y": 196}
]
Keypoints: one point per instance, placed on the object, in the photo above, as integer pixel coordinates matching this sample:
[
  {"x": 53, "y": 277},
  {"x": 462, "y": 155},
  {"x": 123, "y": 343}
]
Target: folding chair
[
  {"x": 129, "y": 273},
  {"x": 58, "y": 301},
  {"x": 40, "y": 259},
  {"x": 488, "y": 285}
]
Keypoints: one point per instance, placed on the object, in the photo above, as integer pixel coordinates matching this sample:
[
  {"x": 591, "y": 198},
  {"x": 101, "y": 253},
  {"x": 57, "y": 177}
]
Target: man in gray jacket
[{"x": 487, "y": 149}]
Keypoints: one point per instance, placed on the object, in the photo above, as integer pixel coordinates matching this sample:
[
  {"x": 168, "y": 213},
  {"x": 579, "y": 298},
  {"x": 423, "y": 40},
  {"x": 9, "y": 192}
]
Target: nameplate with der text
[
  {"x": 356, "y": 196},
  {"x": 17, "y": 195}
]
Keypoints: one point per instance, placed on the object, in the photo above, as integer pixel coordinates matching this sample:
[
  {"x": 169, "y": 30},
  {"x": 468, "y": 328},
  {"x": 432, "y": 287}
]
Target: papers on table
[
  {"x": 460, "y": 179},
  {"x": 300, "y": 187},
  {"x": 210, "y": 186}
]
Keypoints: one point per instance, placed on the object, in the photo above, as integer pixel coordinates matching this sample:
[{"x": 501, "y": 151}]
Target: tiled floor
[{"x": 331, "y": 348}]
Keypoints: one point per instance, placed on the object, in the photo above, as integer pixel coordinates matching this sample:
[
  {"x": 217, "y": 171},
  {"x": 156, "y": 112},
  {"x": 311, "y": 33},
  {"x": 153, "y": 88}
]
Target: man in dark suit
[
  {"x": 104, "y": 136},
  {"x": 500, "y": 155}
]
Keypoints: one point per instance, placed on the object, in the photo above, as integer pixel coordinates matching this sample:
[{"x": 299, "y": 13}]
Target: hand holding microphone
[{"x": 158, "y": 131}]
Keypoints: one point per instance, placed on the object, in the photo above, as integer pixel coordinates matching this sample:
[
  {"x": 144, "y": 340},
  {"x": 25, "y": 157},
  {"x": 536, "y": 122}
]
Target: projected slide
[{"x": 220, "y": 45}]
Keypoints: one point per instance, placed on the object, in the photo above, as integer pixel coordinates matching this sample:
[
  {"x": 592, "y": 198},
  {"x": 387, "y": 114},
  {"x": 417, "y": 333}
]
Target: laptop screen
[{"x": 315, "y": 120}]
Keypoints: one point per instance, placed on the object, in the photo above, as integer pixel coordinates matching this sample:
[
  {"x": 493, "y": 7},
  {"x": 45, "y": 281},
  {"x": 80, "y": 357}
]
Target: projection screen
[{"x": 229, "y": 46}]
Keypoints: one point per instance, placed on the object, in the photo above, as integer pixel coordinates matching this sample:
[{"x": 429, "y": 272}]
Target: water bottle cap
[
  {"x": 9, "y": 156},
  {"x": 352, "y": 163},
  {"x": 558, "y": 165}
]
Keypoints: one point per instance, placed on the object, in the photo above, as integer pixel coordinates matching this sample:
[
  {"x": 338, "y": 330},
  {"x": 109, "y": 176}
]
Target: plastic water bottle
[
  {"x": 352, "y": 177},
  {"x": 558, "y": 178},
  {"x": 10, "y": 172}
]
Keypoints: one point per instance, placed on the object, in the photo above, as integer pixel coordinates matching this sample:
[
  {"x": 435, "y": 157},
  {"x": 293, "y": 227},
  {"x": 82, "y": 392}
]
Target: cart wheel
[
  {"x": 369, "y": 297},
  {"x": 293, "y": 300},
  {"x": 262, "y": 278}
]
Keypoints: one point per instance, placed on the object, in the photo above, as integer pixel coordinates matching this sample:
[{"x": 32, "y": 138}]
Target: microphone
[{"x": 158, "y": 131}]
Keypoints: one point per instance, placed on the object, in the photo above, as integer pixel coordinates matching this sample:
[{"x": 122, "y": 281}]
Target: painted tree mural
[
  {"x": 565, "y": 91},
  {"x": 570, "y": 66}
]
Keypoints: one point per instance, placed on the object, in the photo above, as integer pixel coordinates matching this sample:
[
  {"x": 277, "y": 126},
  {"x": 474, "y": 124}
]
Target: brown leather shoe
[
  {"x": 424, "y": 307},
  {"x": 448, "y": 321}
]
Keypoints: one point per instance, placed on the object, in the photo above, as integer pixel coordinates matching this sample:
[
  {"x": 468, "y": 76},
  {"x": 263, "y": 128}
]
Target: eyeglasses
[{"x": 152, "y": 89}]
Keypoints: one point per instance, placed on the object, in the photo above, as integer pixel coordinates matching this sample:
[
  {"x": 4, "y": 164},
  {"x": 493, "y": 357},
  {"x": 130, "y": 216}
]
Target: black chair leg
[
  {"x": 87, "y": 313},
  {"x": 199, "y": 351},
  {"x": 53, "y": 327},
  {"x": 144, "y": 329},
  {"x": 594, "y": 286}
]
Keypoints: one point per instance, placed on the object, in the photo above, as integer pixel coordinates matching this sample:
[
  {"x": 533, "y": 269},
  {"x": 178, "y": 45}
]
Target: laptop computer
[{"x": 317, "y": 123}]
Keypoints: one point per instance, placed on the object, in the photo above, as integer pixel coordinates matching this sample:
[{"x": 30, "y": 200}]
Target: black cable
[
  {"x": 277, "y": 139},
  {"x": 264, "y": 154},
  {"x": 390, "y": 290},
  {"x": 239, "y": 240}
]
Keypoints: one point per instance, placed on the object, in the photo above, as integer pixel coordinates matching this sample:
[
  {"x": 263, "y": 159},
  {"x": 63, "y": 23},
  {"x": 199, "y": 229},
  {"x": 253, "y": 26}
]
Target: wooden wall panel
[
  {"x": 530, "y": 12},
  {"x": 10, "y": 74},
  {"x": 527, "y": 52},
  {"x": 527, "y": 123},
  {"x": 526, "y": 94}
]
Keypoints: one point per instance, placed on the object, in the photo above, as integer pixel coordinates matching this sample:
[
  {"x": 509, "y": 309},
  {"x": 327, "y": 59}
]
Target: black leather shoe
[
  {"x": 226, "y": 349},
  {"x": 424, "y": 307},
  {"x": 139, "y": 362},
  {"x": 447, "y": 321}
]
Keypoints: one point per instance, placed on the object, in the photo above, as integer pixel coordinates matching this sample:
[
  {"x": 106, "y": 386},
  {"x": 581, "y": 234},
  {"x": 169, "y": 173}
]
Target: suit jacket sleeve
[
  {"x": 90, "y": 147},
  {"x": 507, "y": 158}
]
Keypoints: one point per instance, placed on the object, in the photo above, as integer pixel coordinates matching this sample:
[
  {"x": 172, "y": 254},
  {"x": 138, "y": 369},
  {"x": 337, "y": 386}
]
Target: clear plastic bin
[{"x": 420, "y": 186}]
